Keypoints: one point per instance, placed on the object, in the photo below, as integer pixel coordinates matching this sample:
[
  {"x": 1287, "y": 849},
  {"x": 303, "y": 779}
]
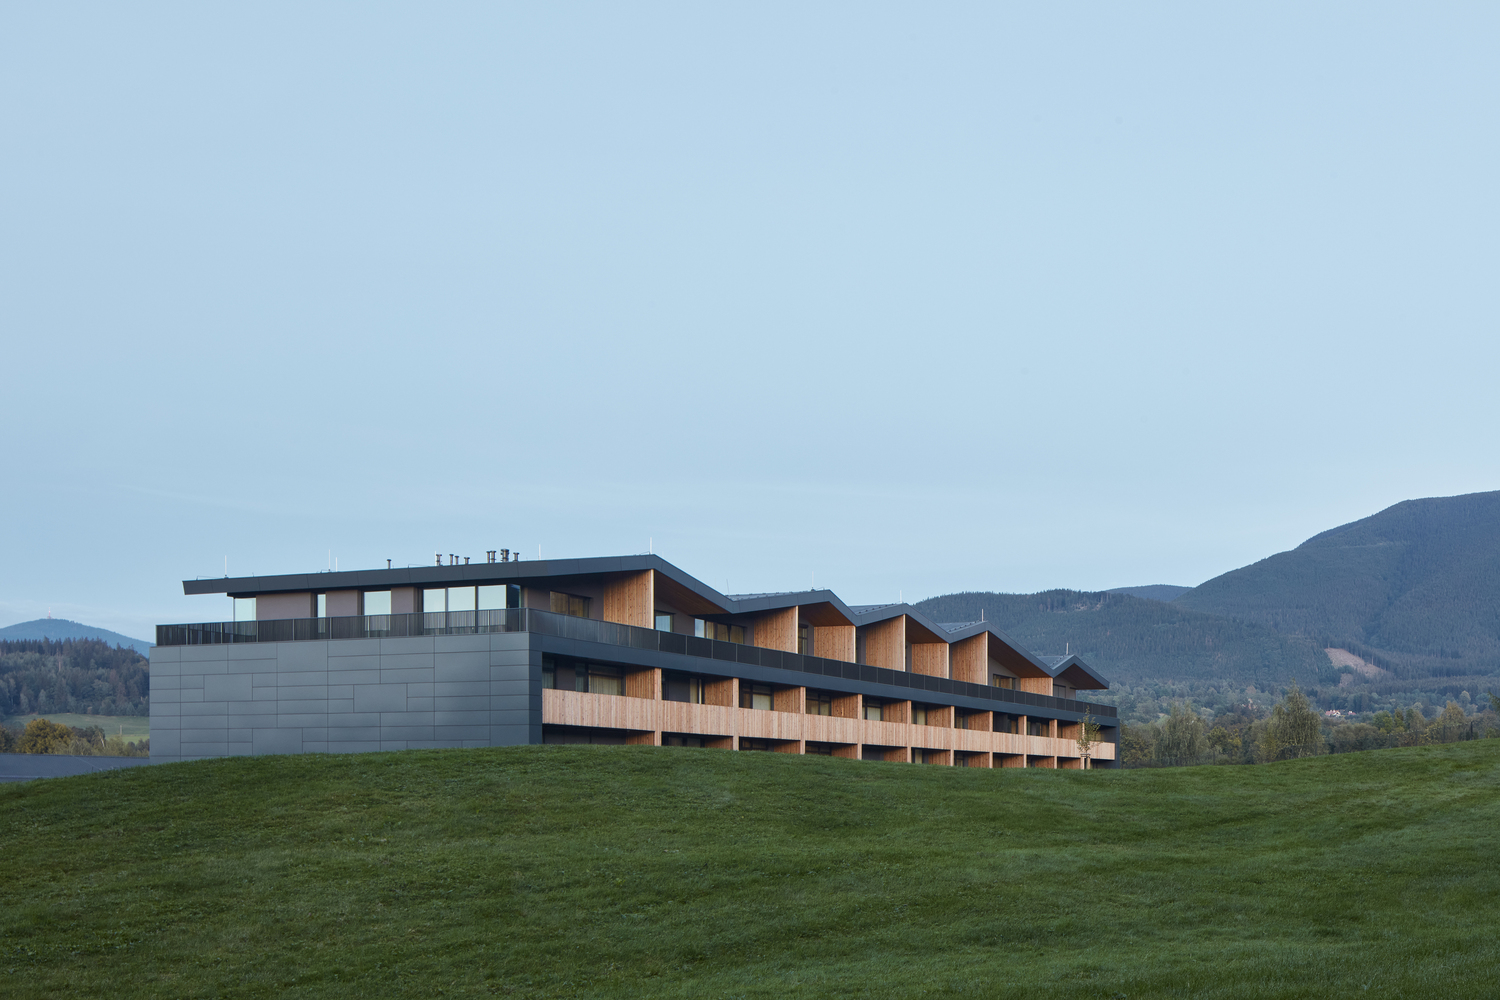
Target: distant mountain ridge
[
  {"x": 1414, "y": 588},
  {"x": 62, "y": 628},
  {"x": 1153, "y": 592},
  {"x": 1136, "y": 640}
]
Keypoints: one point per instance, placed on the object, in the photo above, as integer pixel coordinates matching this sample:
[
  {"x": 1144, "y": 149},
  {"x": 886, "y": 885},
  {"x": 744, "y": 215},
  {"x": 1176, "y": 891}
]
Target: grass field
[
  {"x": 640, "y": 872},
  {"x": 137, "y": 727}
]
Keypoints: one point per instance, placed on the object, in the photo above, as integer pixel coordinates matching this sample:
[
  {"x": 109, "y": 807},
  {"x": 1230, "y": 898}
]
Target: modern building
[{"x": 612, "y": 650}]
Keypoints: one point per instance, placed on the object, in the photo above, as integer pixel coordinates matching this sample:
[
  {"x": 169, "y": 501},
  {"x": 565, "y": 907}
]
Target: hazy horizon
[{"x": 915, "y": 300}]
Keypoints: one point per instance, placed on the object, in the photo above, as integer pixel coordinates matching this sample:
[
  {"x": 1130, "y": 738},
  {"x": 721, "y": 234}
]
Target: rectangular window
[
  {"x": 1061, "y": 691},
  {"x": 434, "y": 601},
  {"x": 756, "y": 696},
  {"x": 377, "y": 602},
  {"x": 492, "y": 598},
  {"x": 1037, "y": 727},
  {"x": 804, "y": 639},
  {"x": 819, "y": 703},
  {"x": 664, "y": 621},
  {"x": 918, "y": 716},
  {"x": 1005, "y": 723},
  {"x": 874, "y": 710},
  {"x": 716, "y": 630},
  {"x": 599, "y": 680},
  {"x": 244, "y": 609},
  {"x": 549, "y": 673},
  {"x": 960, "y": 721},
  {"x": 681, "y": 687},
  {"x": 1001, "y": 681},
  {"x": 322, "y": 606},
  {"x": 460, "y": 598},
  {"x": 570, "y": 604}
]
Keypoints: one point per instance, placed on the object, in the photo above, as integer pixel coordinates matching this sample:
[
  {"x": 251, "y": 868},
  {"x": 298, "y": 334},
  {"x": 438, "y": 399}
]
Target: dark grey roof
[{"x": 541, "y": 572}]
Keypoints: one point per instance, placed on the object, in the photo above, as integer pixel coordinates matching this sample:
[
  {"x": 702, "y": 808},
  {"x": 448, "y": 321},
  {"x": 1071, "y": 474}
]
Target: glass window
[
  {"x": 377, "y": 602},
  {"x": 960, "y": 721},
  {"x": 918, "y": 716},
  {"x": 664, "y": 621},
  {"x": 718, "y": 630},
  {"x": 1005, "y": 723},
  {"x": 322, "y": 606},
  {"x": 460, "y": 598},
  {"x": 434, "y": 601},
  {"x": 492, "y": 598},
  {"x": 549, "y": 673},
  {"x": 681, "y": 687},
  {"x": 1001, "y": 681},
  {"x": 244, "y": 609},
  {"x": 569, "y": 604},
  {"x": 804, "y": 646},
  {"x": 819, "y": 703},
  {"x": 604, "y": 680},
  {"x": 874, "y": 710},
  {"x": 756, "y": 696}
]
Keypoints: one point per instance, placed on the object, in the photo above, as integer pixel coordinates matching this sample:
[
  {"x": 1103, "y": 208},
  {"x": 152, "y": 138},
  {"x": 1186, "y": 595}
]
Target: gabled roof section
[{"x": 688, "y": 592}]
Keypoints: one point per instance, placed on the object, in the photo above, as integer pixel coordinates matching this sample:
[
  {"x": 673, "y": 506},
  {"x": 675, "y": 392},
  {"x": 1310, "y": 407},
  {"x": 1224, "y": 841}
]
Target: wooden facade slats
[
  {"x": 835, "y": 642},
  {"x": 777, "y": 630},
  {"x": 630, "y": 599},
  {"x": 885, "y": 643},
  {"x": 970, "y": 659},
  {"x": 723, "y": 721},
  {"x": 930, "y": 658}
]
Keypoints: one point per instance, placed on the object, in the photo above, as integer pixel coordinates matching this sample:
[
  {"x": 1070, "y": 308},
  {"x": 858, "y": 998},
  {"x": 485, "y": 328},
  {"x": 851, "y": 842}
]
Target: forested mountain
[
  {"x": 61, "y": 628},
  {"x": 74, "y": 675},
  {"x": 1154, "y": 591},
  {"x": 1414, "y": 589},
  {"x": 1134, "y": 640}
]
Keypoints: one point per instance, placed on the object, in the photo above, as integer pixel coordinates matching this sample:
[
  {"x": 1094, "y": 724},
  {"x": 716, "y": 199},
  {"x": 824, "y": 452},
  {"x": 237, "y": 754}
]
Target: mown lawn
[{"x": 641, "y": 872}]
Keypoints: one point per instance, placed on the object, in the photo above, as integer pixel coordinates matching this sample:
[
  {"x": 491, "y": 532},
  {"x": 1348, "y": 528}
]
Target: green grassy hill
[{"x": 641, "y": 872}]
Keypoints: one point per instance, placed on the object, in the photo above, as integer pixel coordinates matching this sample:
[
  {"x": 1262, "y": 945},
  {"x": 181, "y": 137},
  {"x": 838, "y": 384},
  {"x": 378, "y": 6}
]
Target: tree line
[
  {"x": 86, "y": 676},
  {"x": 1292, "y": 728},
  {"x": 46, "y": 736}
]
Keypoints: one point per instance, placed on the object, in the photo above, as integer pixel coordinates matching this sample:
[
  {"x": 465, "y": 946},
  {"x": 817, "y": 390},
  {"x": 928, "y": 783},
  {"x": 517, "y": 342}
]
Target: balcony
[{"x": 606, "y": 633}]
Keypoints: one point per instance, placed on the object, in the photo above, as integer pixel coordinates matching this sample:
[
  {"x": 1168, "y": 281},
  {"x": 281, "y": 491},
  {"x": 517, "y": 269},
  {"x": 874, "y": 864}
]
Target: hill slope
[
  {"x": 61, "y": 628},
  {"x": 1414, "y": 588},
  {"x": 1135, "y": 640},
  {"x": 1154, "y": 591},
  {"x": 638, "y": 871}
]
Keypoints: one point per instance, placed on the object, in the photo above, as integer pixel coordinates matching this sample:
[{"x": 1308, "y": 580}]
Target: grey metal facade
[{"x": 346, "y": 695}]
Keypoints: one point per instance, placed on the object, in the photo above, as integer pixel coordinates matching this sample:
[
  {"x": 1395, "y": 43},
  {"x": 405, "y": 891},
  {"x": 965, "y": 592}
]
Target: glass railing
[{"x": 607, "y": 633}]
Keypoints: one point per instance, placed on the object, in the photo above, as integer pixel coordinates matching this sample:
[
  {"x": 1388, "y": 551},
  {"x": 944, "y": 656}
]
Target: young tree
[
  {"x": 1294, "y": 723},
  {"x": 1182, "y": 736},
  {"x": 1088, "y": 735}
]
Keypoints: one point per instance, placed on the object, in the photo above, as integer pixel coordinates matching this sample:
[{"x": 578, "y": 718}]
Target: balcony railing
[{"x": 608, "y": 633}]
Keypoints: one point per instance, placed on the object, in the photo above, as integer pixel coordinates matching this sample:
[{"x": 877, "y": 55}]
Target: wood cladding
[
  {"x": 777, "y": 630},
  {"x": 836, "y": 642},
  {"x": 885, "y": 643},
  {"x": 970, "y": 659},
  {"x": 1035, "y": 685},
  {"x": 630, "y": 599},
  {"x": 930, "y": 658},
  {"x": 719, "y": 722}
]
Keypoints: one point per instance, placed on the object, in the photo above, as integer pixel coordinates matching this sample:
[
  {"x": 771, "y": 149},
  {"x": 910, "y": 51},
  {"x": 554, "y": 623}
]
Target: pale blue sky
[{"x": 918, "y": 298}]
